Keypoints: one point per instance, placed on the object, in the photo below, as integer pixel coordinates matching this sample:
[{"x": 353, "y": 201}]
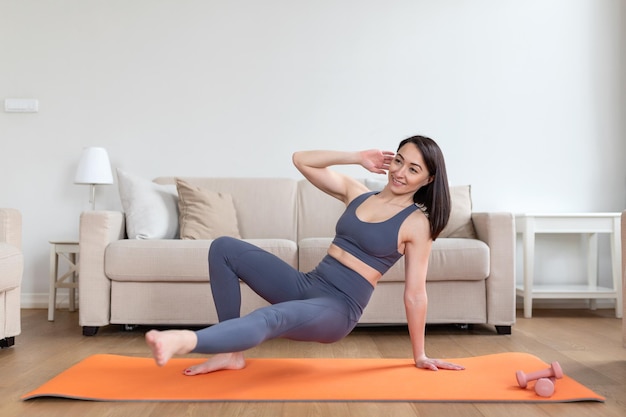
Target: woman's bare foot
[
  {"x": 222, "y": 361},
  {"x": 165, "y": 344}
]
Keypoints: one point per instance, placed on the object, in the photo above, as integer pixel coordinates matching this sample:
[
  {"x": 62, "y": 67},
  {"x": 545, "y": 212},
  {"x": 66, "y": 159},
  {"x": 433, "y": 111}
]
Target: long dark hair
[{"x": 435, "y": 196}]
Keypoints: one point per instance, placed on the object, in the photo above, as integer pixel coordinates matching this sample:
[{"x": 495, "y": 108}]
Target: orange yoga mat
[{"x": 488, "y": 378}]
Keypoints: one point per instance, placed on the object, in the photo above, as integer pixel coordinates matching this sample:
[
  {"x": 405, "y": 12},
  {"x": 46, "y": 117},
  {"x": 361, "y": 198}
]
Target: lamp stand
[{"x": 92, "y": 196}]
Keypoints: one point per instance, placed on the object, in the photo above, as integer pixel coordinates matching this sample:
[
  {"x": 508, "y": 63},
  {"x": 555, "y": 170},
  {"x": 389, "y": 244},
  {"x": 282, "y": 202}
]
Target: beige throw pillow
[
  {"x": 205, "y": 214},
  {"x": 460, "y": 222}
]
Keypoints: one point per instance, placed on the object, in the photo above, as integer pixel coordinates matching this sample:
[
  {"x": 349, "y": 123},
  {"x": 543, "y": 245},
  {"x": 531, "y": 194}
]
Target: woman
[{"x": 324, "y": 305}]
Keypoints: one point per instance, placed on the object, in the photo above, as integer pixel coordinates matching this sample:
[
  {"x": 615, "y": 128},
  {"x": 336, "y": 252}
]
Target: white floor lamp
[{"x": 94, "y": 169}]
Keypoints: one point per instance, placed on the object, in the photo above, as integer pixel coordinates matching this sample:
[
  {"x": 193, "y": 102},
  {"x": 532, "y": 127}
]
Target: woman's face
[{"x": 408, "y": 172}]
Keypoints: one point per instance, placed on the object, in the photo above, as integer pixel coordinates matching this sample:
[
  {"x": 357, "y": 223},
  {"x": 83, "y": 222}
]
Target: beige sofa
[
  {"x": 11, "y": 269},
  {"x": 166, "y": 282}
]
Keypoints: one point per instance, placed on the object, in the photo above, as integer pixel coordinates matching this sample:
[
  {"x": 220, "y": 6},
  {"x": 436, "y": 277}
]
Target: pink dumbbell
[
  {"x": 544, "y": 387},
  {"x": 553, "y": 371}
]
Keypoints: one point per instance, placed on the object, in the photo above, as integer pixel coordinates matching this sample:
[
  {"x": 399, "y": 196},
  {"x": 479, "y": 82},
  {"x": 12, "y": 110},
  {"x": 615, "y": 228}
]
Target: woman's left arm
[{"x": 416, "y": 254}]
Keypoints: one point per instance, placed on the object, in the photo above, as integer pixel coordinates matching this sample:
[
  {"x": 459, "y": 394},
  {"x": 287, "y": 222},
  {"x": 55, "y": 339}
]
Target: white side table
[
  {"x": 586, "y": 224},
  {"x": 68, "y": 250}
]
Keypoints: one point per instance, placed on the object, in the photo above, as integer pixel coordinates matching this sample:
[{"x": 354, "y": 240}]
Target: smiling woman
[{"x": 325, "y": 304}]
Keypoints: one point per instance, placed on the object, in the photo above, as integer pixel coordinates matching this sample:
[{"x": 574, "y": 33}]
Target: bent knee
[{"x": 220, "y": 245}]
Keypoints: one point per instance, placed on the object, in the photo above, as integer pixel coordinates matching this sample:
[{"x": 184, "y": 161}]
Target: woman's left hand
[
  {"x": 376, "y": 161},
  {"x": 436, "y": 364}
]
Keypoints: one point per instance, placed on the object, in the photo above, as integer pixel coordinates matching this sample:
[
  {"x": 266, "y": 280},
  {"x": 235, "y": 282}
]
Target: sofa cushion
[
  {"x": 458, "y": 259},
  {"x": 151, "y": 210},
  {"x": 451, "y": 259},
  {"x": 204, "y": 214},
  {"x": 175, "y": 260}
]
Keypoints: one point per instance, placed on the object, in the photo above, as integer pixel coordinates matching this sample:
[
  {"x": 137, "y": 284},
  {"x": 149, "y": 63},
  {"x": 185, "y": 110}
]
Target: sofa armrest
[
  {"x": 97, "y": 230},
  {"x": 11, "y": 227},
  {"x": 497, "y": 230},
  {"x": 12, "y": 271}
]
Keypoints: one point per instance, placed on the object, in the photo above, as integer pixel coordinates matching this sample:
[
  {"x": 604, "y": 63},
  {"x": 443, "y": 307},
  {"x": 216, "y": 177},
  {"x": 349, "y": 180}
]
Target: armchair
[
  {"x": 11, "y": 269},
  {"x": 624, "y": 276}
]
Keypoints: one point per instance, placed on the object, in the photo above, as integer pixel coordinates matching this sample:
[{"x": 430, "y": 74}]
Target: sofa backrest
[
  {"x": 318, "y": 212},
  {"x": 266, "y": 207}
]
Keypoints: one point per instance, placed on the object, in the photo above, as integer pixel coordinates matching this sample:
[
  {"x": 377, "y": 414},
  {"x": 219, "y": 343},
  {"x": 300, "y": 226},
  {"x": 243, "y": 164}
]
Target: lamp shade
[{"x": 94, "y": 167}]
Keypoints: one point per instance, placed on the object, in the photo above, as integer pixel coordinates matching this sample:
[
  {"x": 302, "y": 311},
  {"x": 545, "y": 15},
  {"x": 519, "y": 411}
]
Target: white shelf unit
[{"x": 588, "y": 225}]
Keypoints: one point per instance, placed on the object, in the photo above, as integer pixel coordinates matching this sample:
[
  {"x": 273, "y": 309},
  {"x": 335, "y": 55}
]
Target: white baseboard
[
  {"x": 566, "y": 304},
  {"x": 40, "y": 300}
]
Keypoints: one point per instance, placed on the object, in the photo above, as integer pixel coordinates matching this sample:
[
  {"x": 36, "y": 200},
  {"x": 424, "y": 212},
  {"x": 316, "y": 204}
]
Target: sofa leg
[
  {"x": 7, "y": 343},
  {"x": 90, "y": 330},
  {"x": 503, "y": 329}
]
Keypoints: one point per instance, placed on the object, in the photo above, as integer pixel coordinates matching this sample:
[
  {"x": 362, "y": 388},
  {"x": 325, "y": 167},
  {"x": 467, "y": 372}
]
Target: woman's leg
[
  {"x": 231, "y": 260},
  {"x": 324, "y": 320}
]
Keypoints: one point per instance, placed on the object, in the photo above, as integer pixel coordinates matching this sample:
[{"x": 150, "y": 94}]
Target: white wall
[{"x": 523, "y": 96}]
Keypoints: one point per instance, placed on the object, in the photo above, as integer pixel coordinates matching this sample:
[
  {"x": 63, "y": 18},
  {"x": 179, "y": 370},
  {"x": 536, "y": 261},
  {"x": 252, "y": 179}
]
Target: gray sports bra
[{"x": 376, "y": 244}]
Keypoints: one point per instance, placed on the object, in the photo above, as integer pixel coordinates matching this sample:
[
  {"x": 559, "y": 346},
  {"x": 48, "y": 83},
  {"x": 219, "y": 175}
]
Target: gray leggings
[{"x": 323, "y": 305}]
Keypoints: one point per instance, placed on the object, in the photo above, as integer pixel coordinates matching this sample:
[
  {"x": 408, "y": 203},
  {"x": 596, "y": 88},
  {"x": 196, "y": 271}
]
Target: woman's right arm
[{"x": 314, "y": 165}]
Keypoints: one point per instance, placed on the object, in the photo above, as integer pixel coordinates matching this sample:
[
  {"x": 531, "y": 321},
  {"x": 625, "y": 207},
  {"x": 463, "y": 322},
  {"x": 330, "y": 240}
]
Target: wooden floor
[{"x": 588, "y": 345}]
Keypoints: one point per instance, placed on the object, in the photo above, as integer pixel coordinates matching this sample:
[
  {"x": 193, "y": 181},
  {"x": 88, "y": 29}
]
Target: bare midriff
[{"x": 355, "y": 264}]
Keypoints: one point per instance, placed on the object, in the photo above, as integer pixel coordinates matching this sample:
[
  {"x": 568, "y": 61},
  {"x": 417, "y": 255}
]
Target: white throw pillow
[{"x": 151, "y": 209}]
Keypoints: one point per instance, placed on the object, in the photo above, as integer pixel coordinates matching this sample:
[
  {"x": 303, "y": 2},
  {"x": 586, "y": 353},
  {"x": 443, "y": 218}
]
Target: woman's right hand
[{"x": 436, "y": 364}]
